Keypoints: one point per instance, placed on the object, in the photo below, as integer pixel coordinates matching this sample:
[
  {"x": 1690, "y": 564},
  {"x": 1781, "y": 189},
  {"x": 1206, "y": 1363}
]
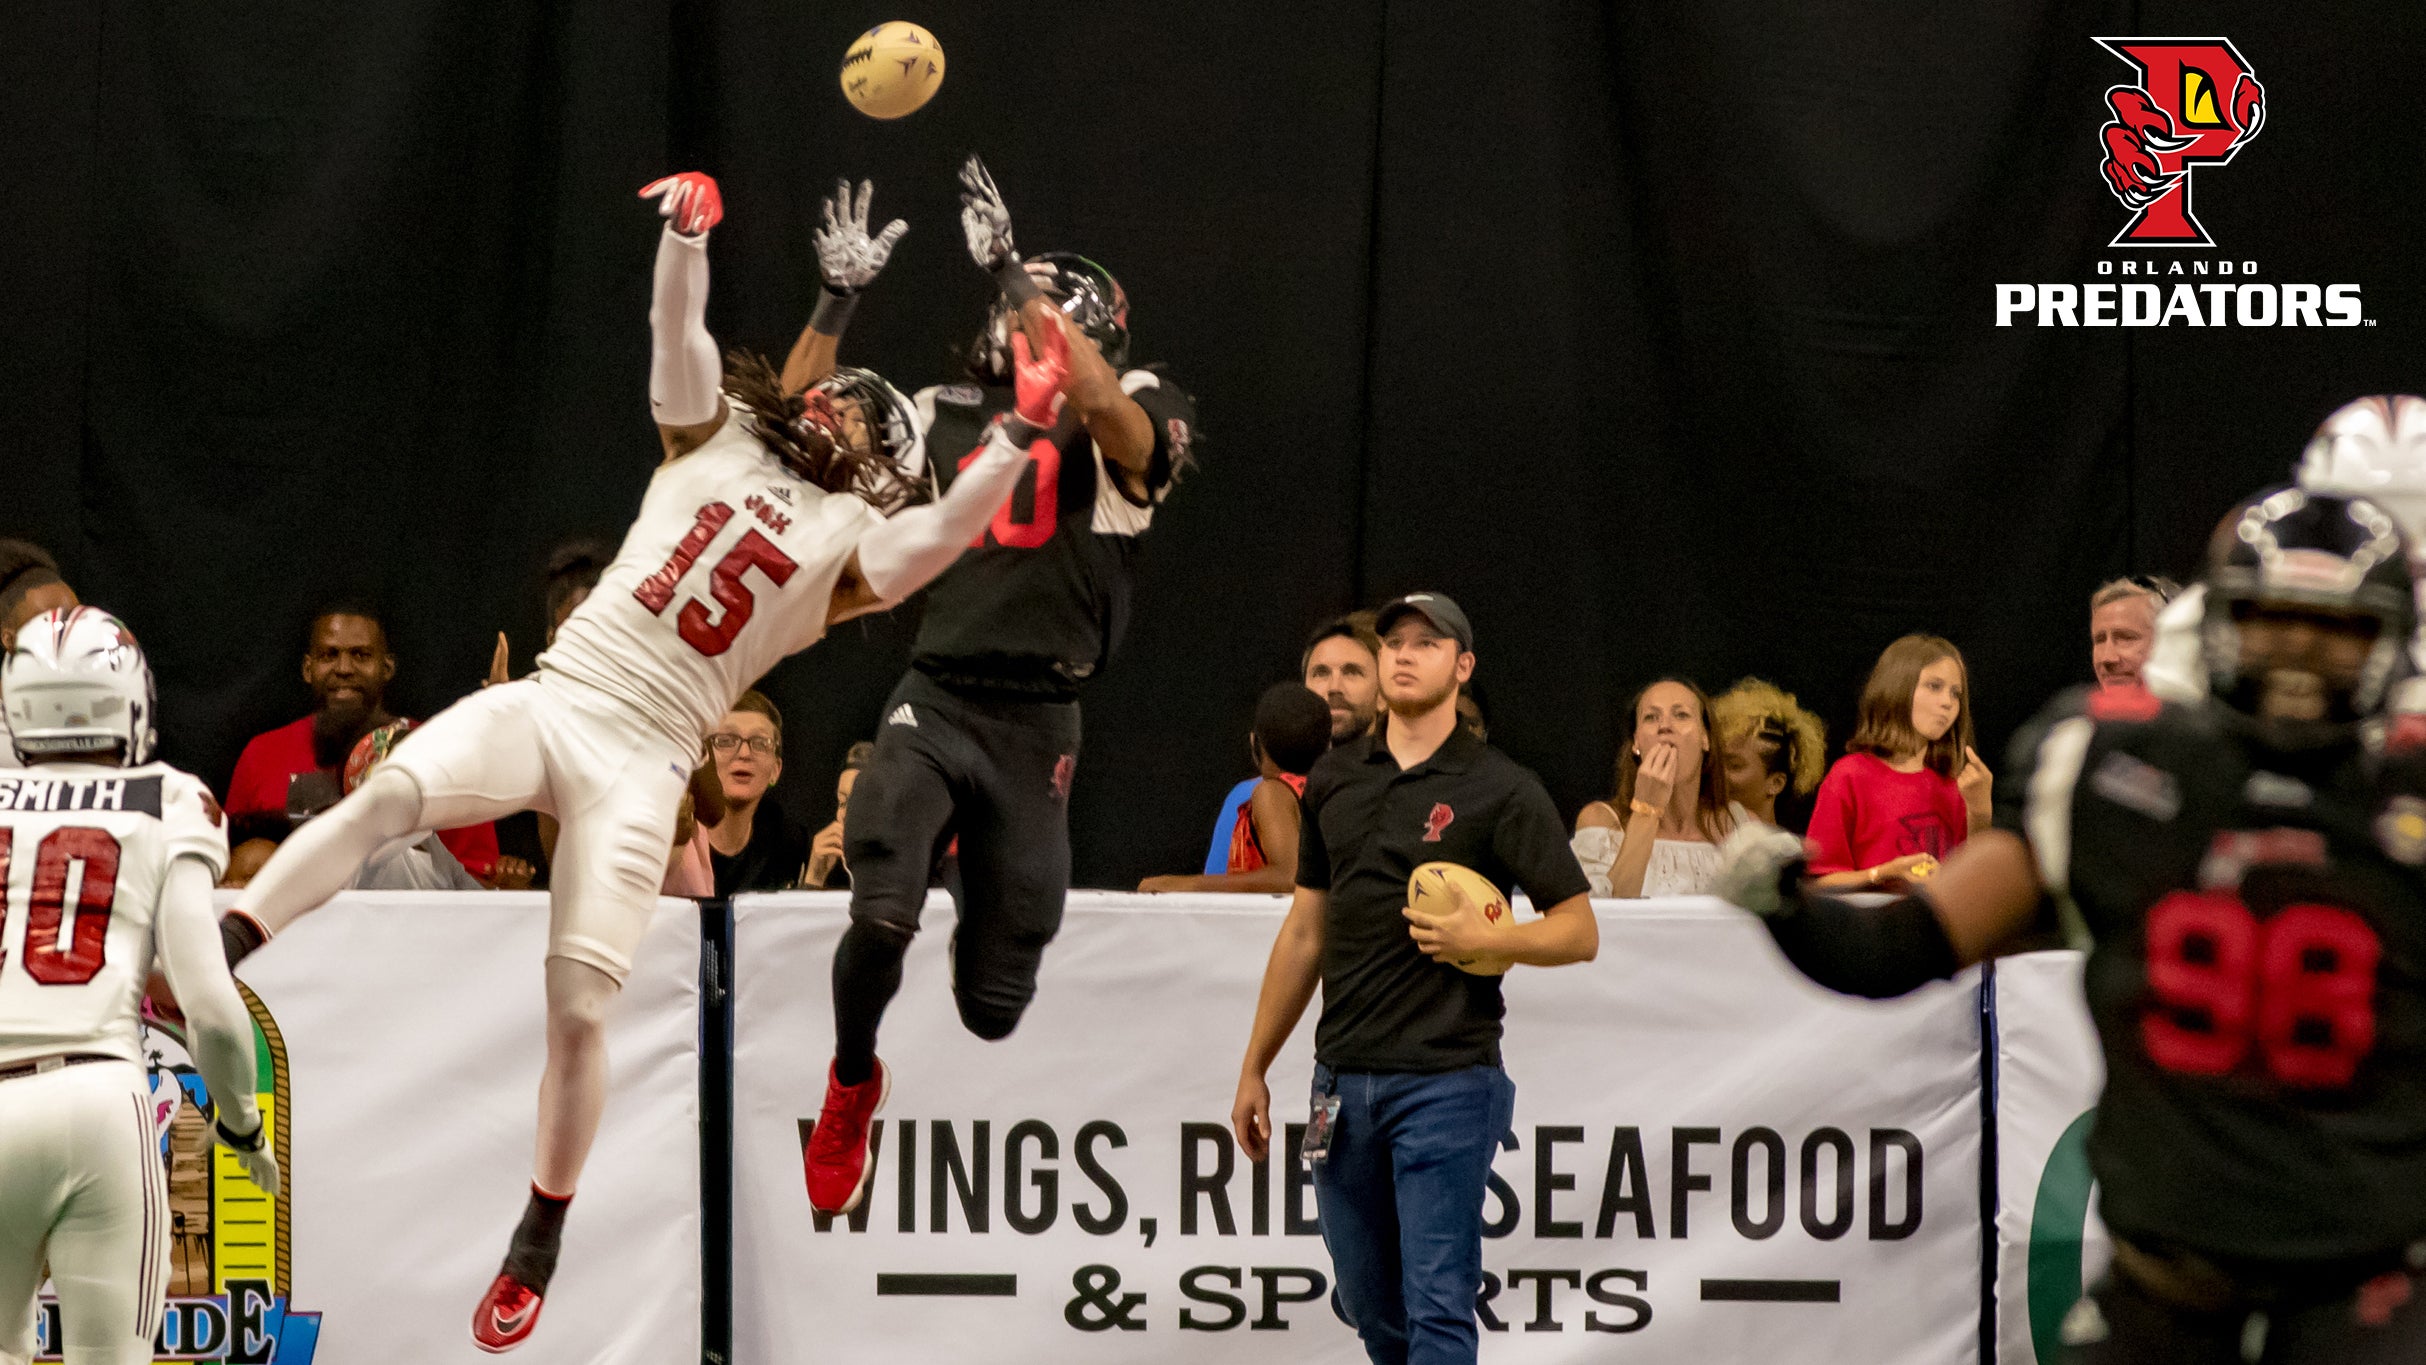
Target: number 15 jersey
[
  {"x": 729, "y": 568},
  {"x": 2258, "y": 931},
  {"x": 84, "y": 852}
]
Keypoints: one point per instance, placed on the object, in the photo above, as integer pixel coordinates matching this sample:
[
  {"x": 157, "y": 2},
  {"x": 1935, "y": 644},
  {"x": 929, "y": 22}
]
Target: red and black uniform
[
  {"x": 2256, "y": 925},
  {"x": 980, "y": 740}
]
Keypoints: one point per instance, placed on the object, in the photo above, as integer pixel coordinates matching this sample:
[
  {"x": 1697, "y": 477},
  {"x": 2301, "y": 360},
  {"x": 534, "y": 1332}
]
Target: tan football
[
  {"x": 893, "y": 69},
  {"x": 1428, "y": 891}
]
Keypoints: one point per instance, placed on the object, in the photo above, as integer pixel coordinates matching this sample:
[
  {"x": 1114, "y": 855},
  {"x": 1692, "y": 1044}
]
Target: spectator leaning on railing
[
  {"x": 758, "y": 847},
  {"x": 1910, "y": 788},
  {"x": 1769, "y": 743},
  {"x": 1292, "y": 730},
  {"x": 1673, "y": 795},
  {"x": 828, "y": 867}
]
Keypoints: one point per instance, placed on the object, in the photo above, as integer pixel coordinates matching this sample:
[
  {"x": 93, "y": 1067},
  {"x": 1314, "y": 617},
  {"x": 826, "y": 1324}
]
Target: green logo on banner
[{"x": 2059, "y": 1222}]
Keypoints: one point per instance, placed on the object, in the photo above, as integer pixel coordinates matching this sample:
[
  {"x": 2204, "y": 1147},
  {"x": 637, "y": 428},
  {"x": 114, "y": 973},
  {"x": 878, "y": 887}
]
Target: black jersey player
[
  {"x": 2246, "y": 873},
  {"x": 980, "y": 740}
]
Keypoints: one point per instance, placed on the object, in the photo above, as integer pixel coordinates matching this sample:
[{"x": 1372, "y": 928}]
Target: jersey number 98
[{"x": 2298, "y": 986}]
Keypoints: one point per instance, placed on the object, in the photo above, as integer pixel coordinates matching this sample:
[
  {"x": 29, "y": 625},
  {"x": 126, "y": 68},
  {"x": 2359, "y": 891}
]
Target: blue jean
[{"x": 1401, "y": 1198}]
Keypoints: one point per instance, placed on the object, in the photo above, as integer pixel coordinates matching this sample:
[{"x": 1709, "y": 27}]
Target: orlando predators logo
[{"x": 2196, "y": 103}]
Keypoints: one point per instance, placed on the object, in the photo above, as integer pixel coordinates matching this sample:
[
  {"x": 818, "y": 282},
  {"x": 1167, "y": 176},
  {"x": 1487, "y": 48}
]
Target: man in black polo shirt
[{"x": 1407, "y": 1068}]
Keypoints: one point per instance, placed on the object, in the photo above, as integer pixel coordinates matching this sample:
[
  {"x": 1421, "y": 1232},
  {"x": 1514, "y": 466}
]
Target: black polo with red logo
[{"x": 1370, "y": 823}]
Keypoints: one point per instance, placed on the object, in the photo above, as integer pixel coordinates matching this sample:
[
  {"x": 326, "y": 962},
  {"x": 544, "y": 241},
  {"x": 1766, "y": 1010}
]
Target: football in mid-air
[{"x": 892, "y": 70}]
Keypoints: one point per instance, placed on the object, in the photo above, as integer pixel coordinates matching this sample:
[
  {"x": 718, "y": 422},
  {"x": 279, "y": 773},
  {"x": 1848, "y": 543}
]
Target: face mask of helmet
[
  {"x": 892, "y": 420},
  {"x": 1085, "y": 293},
  {"x": 2309, "y": 609}
]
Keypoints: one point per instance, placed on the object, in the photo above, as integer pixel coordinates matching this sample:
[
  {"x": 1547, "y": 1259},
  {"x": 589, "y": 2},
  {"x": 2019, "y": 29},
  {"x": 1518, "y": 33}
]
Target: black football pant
[
  {"x": 2380, "y": 1320},
  {"x": 996, "y": 775}
]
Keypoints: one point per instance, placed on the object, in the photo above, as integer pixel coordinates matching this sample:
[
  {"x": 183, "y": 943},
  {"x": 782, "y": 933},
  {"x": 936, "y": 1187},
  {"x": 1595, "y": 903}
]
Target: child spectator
[
  {"x": 1292, "y": 729},
  {"x": 1769, "y": 743},
  {"x": 1910, "y": 788}
]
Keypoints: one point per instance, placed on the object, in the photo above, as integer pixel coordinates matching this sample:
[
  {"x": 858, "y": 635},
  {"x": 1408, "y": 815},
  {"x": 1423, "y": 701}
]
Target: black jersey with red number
[
  {"x": 2257, "y": 930},
  {"x": 1039, "y": 602}
]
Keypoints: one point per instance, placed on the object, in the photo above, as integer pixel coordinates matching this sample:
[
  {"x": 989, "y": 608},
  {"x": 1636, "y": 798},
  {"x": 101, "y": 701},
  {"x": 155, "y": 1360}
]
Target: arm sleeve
[
  {"x": 1596, "y": 848},
  {"x": 1831, "y": 831},
  {"x": 683, "y": 369},
  {"x": 186, "y": 942},
  {"x": 1531, "y": 843},
  {"x": 910, "y": 548},
  {"x": 1173, "y": 415}
]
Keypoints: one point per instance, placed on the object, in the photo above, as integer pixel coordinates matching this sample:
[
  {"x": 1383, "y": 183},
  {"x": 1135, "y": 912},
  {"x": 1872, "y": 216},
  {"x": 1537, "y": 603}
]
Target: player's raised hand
[
  {"x": 689, "y": 200},
  {"x": 253, "y": 1149},
  {"x": 984, "y": 219},
  {"x": 1038, "y": 376},
  {"x": 847, "y": 257}
]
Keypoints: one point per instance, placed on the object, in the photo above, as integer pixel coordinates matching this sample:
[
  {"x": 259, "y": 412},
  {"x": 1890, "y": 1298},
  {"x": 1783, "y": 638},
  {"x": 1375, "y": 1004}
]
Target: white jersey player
[
  {"x": 106, "y": 865},
  {"x": 765, "y": 524}
]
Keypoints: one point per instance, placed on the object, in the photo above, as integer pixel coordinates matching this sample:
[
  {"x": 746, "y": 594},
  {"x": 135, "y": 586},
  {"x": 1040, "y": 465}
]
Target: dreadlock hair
[{"x": 810, "y": 439}]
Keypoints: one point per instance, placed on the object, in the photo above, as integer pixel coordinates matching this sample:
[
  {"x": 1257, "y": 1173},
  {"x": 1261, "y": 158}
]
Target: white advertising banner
[
  {"x": 401, "y": 1036},
  {"x": 1713, "y": 1159},
  {"x": 2050, "y": 1243}
]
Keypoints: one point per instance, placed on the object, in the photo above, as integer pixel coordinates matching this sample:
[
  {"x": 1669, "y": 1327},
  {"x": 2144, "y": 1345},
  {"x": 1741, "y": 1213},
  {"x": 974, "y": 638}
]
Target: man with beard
[
  {"x": 289, "y": 774},
  {"x": 1342, "y": 665},
  {"x": 29, "y": 586}
]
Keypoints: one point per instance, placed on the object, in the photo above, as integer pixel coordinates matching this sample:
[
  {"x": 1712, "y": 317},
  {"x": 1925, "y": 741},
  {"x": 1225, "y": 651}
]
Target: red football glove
[
  {"x": 689, "y": 200},
  {"x": 1038, "y": 379}
]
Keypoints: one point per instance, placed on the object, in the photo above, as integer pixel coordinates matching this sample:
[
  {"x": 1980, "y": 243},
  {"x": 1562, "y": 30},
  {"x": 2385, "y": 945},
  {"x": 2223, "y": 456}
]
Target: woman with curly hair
[{"x": 1768, "y": 743}]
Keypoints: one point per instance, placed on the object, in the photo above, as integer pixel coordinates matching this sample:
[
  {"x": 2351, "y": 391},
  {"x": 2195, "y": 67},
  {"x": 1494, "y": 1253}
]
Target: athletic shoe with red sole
[
  {"x": 506, "y": 1315},
  {"x": 837, "y": 1160}
]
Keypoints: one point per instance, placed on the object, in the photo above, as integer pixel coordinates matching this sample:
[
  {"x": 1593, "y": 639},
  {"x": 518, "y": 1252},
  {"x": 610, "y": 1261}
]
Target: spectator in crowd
[
  {"x": 1342, "y": 665},
  {"x": 756, "y": 846},
  {"x": 1293, "y": 727},
  {"x": 2122, "y": 627},
  {"x": 245, "y": 861},
  {"x": 29, "y": 586},
  {"x": 827, "y": 868},
  {"x": 291, "y": 773},
  {"x": 423, "y": 866},
  {"x": 1672, "y": 791},
  {"x": 1769, "y": 743},
  {"x": 1470, "y": 715},
  {"x": 1910, "y": 787}
]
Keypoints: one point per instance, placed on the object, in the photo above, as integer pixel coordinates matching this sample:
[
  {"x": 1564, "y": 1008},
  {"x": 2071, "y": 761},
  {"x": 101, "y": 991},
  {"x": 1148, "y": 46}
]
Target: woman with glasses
[{"x": 756, "y": 847}]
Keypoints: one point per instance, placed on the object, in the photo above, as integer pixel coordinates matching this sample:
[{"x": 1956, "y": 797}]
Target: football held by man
[
  {"x": 769, "y": 519},
  {"x": 2245, "y": 871},
  {"x": 980, "y": 739}
]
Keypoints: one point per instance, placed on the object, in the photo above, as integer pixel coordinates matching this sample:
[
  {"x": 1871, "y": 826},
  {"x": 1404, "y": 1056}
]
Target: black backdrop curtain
[{"x": 1662, "y": 335}]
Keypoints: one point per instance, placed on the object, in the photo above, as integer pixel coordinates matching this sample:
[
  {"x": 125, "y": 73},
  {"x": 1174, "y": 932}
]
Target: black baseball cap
[{"x": 1446, "y": 616}]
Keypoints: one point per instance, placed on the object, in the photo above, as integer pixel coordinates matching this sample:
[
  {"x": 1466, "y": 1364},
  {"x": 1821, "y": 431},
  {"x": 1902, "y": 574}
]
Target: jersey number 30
[
  {"x": 48, "y": 961},
  {"x": 752, "y": 551},
  {"x": 2299, "y": 985}
]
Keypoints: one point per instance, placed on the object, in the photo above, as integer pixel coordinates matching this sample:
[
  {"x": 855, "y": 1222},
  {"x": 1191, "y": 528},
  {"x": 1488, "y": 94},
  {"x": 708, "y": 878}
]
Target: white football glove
[
  {"x": 253, "y": 1149},
  {"x": 1749, "y": 864},
  {"x": 847, "y": 257},
  {"x": 984, "y": 219}
]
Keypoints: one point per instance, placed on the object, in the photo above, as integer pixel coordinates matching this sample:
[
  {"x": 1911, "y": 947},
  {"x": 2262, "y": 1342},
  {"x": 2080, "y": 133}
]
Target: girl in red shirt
[{"x": 1910, "y": 788}]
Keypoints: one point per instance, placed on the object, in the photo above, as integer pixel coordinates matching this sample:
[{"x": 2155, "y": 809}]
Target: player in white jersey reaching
[
  {"x": 766, "y": 523},
  {"x": 106, "y": 864}
]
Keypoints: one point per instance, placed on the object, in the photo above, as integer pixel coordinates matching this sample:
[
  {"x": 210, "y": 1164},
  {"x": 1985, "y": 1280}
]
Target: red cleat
[
  {"x": 837, "y": 1160},
  {"x": 506, "y": 1315}
]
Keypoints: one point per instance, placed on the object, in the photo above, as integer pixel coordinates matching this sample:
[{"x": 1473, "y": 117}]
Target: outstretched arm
[
  {"x": 187, "y": 944},
  {"x": 909, "y": 549},
  {"x": 848, "y": 260},
  {"x": 685, "y": 373}
]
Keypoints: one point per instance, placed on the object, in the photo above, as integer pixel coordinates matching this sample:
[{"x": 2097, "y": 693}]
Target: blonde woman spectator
[
  {"x": 1659, "y": 836},
  {"x": 1769, "y": 743}
]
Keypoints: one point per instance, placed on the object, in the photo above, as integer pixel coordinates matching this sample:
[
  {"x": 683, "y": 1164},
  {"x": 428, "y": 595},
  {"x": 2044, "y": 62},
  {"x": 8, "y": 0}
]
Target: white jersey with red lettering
[
  {"x": 84, "y": 852},
  {"x": 729, "y": 568}
]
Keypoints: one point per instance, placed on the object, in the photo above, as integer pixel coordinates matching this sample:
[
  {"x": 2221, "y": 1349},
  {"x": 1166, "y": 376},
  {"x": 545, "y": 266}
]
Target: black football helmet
[
  {"x": 2343, "y": 556},
  {"x": 891, "y": 417},
  {"x": 1085, "y": 292}
]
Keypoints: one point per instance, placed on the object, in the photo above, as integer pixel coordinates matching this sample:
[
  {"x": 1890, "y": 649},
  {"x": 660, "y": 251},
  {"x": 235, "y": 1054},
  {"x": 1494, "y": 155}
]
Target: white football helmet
[
  {"x": 2372, "y": 448},
  {"x": 77, "y": 684}
]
